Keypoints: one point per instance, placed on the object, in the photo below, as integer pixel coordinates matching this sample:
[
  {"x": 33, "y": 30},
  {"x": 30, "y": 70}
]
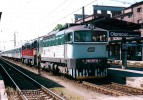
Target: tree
[{"x": 58, "y": 27}]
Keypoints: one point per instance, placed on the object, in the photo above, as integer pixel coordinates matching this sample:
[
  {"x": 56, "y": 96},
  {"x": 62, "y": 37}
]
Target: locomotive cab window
[
  {"x": 28, "y": 46},
  {"x": 68, "y": 37},
  {"x": 99, "y": 36},
  {"x": 82, "y": 36},
  {"x": 90, "y": 36},
  {"x": 23, "y": 48}
]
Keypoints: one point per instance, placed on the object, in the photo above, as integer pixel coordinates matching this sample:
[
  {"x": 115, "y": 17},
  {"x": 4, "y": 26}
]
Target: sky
[{"x": 29, "y": 19}]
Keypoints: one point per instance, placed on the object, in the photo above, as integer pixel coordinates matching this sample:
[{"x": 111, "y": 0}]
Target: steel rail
[
  {"x": 108, "y": 90},
  {"x": 43, "y": 87},
  {"x": 17, "y": 88}
]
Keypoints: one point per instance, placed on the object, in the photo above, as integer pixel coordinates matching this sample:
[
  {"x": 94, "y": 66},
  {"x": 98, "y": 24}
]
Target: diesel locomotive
[{"x": 77, "y": 51}]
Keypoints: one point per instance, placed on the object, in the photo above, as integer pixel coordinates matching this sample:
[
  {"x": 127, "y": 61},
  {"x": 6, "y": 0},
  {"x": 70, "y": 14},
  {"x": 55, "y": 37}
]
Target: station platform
[
  {"x": 3, "y": 95},
  {"x": 130, "y": 63},
  {"x": 133, "y": 78}
]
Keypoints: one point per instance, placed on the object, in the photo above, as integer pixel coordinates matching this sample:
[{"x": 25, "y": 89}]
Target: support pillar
[{"x": 124, "y": 53}]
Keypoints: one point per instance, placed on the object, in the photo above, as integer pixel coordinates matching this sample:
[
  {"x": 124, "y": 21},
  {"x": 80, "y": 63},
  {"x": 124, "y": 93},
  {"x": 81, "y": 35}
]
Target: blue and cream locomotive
[{"x": 77, "y": 51}]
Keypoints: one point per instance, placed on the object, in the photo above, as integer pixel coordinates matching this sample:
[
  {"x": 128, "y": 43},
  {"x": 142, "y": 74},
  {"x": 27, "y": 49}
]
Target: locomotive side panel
[{"x": 75, "y": 51}]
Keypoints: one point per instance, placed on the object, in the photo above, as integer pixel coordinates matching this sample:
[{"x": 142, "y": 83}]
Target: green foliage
[{"x": 58, "y": 27}]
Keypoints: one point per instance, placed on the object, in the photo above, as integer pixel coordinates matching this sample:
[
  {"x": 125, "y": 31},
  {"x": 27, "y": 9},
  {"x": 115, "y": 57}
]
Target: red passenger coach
[{"x": 29, "y": 51}]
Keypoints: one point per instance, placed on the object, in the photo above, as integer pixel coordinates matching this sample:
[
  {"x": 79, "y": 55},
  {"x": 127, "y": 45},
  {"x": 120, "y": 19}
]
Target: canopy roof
[{"x": 112, "y": 23}]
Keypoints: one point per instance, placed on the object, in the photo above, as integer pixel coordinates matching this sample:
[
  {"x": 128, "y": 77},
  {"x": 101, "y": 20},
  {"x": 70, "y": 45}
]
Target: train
[{"x": 78, "y": 51}]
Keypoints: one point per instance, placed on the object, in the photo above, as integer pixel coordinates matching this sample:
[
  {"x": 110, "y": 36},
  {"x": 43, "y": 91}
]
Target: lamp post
[{"x": 15, "y": 38}]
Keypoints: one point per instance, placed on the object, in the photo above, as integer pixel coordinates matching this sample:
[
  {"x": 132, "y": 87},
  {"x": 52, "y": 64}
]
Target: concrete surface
[
  {"x": 3, "y": 95},
  {"x": 133, "y": 78}
]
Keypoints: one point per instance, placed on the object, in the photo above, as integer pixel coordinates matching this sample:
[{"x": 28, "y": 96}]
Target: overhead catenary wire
[
  {"x": 71, "y": 13},
  {"x": 66, "y": 8},
  {"x": 56, "y": 8},
  {"x": 73, "y": 3},
  {"x": 86, "y": 6},
  {"x": 23, "y": 8},
  {"x": 60, "y": 5},
  {"x": 64, "y": 17},
  {"x": 90, "y": 3},
  {"x": 67, "y": 15},
  {"x": 124, "y": 2}
]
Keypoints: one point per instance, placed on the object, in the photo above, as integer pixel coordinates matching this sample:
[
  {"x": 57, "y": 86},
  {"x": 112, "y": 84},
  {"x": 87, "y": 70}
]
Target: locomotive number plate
[{"x": 91, "y": 60}]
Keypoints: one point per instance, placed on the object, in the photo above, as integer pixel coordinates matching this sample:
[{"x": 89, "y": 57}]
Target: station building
[
  {"x": 98, "y": 10},
  {"x": 115, "y": 18},
  {"x": 133, "y": 14}
]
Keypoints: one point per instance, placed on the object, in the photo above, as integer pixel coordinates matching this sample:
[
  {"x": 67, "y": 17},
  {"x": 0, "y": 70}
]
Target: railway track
[
  {"x": 124, "y": 88},
  {"x": 111, "y": 88},
  {"x": 114, "y": 89},
  {"x": 27, "y": 88}
]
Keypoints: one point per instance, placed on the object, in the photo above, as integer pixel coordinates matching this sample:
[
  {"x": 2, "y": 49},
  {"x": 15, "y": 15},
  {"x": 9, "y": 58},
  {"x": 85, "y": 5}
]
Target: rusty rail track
[
  {"x": 114, "y": 89},
  {"x": 131, "y": 90}
]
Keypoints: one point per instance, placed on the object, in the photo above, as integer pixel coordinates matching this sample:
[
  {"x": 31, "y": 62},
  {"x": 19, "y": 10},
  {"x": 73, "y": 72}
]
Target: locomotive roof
[
  {"x": 79, "y": 27},
  {"x": 84, "y": 27},
  {"x": 73, "y": 28},
  {"x": 70, "y": 29},
  {"x": 50, "y": 34}
]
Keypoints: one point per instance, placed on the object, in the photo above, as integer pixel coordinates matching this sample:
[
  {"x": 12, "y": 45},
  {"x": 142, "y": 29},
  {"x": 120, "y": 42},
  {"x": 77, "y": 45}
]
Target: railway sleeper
[
  {"x": 130, "y": 89},
  {"x": 104, "y": 89}
]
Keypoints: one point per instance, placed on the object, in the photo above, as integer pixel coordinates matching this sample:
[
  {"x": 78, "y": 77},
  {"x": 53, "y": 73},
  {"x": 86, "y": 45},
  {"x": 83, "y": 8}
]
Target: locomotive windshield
[{"x": 90, "y": 36}]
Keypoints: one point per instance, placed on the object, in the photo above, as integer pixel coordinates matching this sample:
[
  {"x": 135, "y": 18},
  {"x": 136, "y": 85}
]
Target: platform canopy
[{"x": 113, "y": 24}]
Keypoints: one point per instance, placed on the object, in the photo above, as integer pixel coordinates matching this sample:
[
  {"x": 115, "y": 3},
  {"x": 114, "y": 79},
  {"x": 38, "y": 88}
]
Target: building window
[
  {"x": 99, "y": 12},
  {"x": 139, "y": 9},
  {"x": 110, "y": 13},
  {"x": 139, "y": 21},
  {"x": 130, "y": 15}
]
